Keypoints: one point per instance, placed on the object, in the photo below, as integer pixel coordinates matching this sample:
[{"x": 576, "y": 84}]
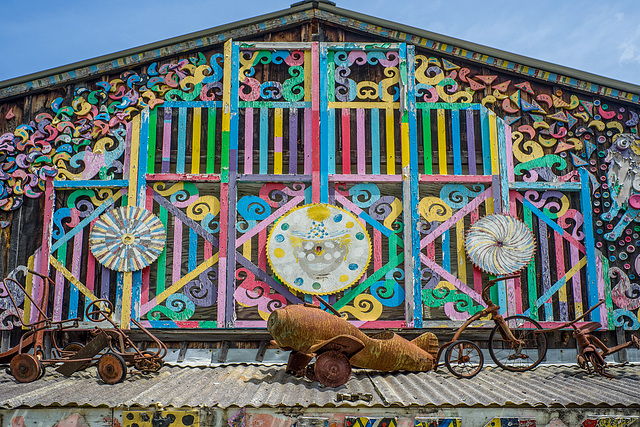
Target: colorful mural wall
[{"x": 416, "y": 146}]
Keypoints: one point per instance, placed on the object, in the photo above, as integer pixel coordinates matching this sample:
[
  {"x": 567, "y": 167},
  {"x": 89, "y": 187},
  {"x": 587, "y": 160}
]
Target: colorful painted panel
[
  {"x": 511, "y": 422},
  {"x": 554, "y": 286},
  {"x": 79, "y": 277},
  {"x": 370, "y": 422},
  {"x": 181, "y": 288},
  {"x": 378, "y": 295},
  {"x": 450, "y": 282},
  {"x": 161, "y": 418},
  {"x": 438, "y": 422}
]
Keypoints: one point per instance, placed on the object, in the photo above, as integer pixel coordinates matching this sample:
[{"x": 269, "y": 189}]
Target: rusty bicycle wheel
[
  {"x": 464, "y": 359},
  {"x": 520, "y": 357}
]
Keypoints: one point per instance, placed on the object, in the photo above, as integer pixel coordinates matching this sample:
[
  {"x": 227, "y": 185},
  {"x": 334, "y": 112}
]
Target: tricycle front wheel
[
  {"x": 526, "y": 353},
  {"x": 463, "y": 359}
]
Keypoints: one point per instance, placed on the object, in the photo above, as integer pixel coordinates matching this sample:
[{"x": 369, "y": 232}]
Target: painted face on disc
[{"x": 319, "y": 249}]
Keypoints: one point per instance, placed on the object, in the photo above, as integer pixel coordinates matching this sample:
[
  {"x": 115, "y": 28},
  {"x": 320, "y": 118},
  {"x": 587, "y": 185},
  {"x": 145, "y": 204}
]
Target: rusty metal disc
[
  {"x": 25, "y": 368},
  {"x": 332, "y": 368},
  {"x": 112, "y": 368}
]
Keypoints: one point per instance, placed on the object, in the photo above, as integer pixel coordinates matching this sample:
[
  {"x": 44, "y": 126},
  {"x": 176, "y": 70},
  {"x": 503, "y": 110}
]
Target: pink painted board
[
  {"x": 360, "y": 138},
  {"x": 248, "y": 141},
  {"x": 346, "y": 141}
]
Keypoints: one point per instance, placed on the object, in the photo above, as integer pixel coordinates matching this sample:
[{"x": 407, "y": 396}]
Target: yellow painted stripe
[
  {"x": 187, "y": 278},
  {"x": 226, "y": 87},
  {"x": 197, "y": 130},
  {"x": 277, "y": 133},
  {"x": 307, "y": 75},
  {"x": 405, "y": 144},
  {"x": 127, "y": 286},
  {"x": 246, "y": 249},
  {"x": 442, "y": 143},
  {"x": 26, "y": 315},
  {"x": 71, "y": 278},
  {"x": 462, "y": 260},
  {"x": 391, "y": 149},
  {"x": 493, "y": 137}
]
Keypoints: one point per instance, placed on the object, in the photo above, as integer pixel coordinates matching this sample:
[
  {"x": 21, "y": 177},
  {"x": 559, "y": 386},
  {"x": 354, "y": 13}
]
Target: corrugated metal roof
[{"x": 254, "y": 385}]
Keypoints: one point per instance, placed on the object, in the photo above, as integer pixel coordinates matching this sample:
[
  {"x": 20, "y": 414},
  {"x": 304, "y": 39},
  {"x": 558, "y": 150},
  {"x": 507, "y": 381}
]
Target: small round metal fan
[{"x": 127, "y": 238}]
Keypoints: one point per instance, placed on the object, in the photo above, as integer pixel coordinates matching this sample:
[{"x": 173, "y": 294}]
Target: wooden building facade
[{"x": 221, "y": 133}]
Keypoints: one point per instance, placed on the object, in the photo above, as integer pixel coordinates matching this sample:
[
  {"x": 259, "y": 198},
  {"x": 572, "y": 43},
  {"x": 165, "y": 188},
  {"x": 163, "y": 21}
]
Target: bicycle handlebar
[{"x": 492, "y": 282}]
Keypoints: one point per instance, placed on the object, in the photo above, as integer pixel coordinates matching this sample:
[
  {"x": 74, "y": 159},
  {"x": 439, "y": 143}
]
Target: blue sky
[{"x": 600, "y": 37}]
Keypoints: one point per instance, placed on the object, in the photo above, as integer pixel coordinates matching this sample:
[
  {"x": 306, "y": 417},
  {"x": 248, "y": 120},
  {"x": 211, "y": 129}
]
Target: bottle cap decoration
[
  {"x": 500, "y": 244},
  {"x": 127, "y": 238},
  {"x": 319, "y": 249}
]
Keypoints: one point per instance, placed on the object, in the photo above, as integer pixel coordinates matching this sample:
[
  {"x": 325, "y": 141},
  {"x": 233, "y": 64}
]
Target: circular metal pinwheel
[
  {"x": 500, "y": 244},
  {"x": 127, "y": 238}
]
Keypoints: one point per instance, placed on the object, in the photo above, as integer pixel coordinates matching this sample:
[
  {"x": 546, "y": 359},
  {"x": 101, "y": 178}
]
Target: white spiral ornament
[{"x": 500, "y": 244}]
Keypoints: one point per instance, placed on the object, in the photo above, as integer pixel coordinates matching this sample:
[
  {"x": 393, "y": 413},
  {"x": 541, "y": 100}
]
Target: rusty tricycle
[{"x": 110, "y": 348}]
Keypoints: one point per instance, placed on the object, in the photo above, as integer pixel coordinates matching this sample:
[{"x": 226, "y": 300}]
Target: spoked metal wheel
[
  {"x": 519, "y": 356},
  {"x": 463, "y": 359},
  {"x": 332, "y": 368},
  {"x": 112, "y": 368}
]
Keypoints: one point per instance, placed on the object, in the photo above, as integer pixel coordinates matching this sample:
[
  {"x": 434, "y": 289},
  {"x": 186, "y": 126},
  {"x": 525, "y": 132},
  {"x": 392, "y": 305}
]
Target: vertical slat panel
[
  {"x": 308, "y": 154},
  {"x": 232, "y": 189},
  {"x": 460, "y": 254},
  {"x": 543, "y": 240},
  {"x": 61, "y": 256},
  {"x": 151, "y": 152},
  {"x": 182, "y": 140},
  {"x": 455, "y": 137},
  {"x": 76, "y": 259},
  {"x": 211, "y": 140},
  {"x": 315, "y": 111},
  {"x": 592, "y": 275},
  {"x": 293, "y": 141},
  {"x": 196, "y": 135},
  {"x": 486, "y": 141},
  {"x": 560, "y": 268},
  {"x": 264, "y": 141},
  {"x": 375, "y": 141},
  {"x": 324, "y": 124},
  {"x": 166, "y": 140},
  {"x": 531, "y": 271},
  {"x": 426, "y": 141},
  {"x": 161, "y": 263},
  {"x": 442, "y": 143},
  {"x": 471, "y": 143},
  {"x": 346, "y": 140},
  {"x": 277, "y": 141},
  {"x": 360, "y": 142},
  {"x": 391, "y": 143},
  {"x": 248, "y": 141}
]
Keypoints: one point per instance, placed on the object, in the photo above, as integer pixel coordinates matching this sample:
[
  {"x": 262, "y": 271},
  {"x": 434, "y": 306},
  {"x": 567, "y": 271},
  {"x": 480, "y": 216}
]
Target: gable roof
[{"x": 327, "y": 12}]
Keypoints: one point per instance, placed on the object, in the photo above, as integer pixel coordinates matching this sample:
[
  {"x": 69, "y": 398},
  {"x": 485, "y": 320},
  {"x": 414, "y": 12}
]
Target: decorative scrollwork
[{"x": 178, "y": 307}]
